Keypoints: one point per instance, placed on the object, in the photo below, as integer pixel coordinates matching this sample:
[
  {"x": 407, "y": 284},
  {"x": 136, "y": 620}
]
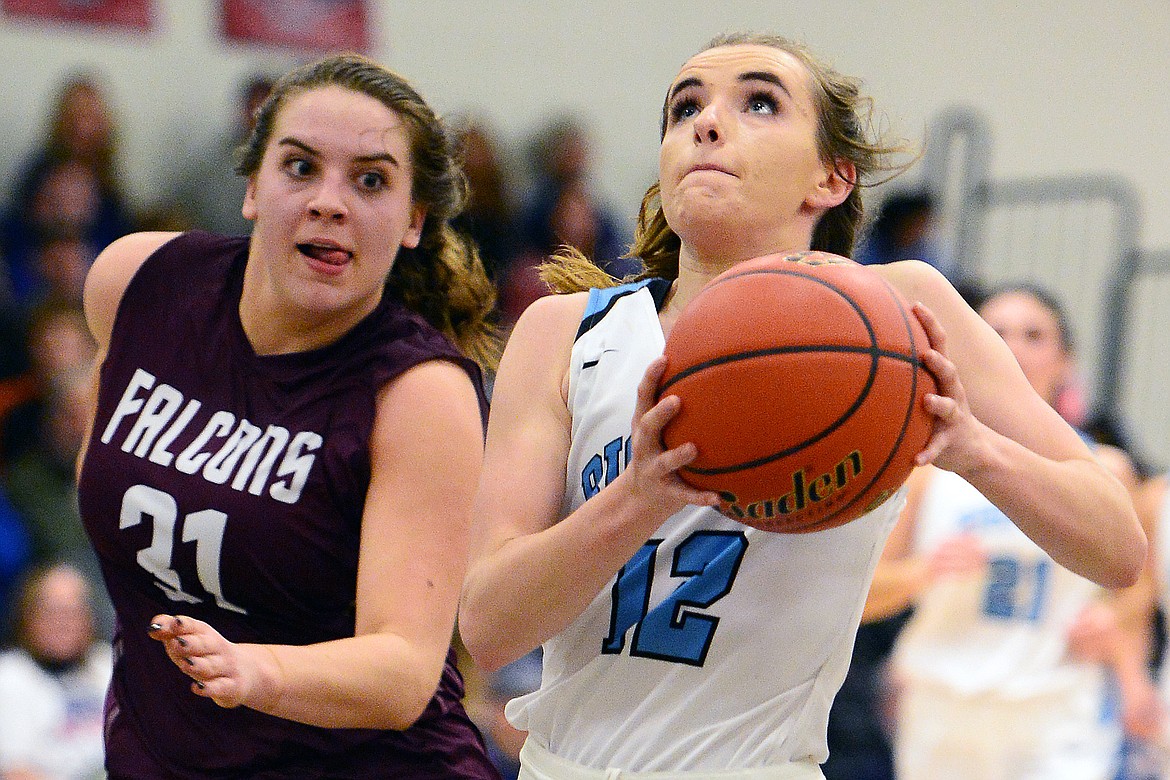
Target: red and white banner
[
  {"x": 314, "y": 25},
  {"x": 133, "y": 14}
]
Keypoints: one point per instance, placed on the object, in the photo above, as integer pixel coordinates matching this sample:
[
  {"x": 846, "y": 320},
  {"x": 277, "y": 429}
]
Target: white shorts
[
  {"x": 1057, "y": 737},
  {"x": 537, "y": 763}
]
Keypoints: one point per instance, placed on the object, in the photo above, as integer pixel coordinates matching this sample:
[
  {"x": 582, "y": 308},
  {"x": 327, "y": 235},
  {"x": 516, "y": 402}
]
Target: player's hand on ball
[
  {"x": 653, "y": 470},
  {"x": 229, "y": 674},
  {"x": 957, "y": 434}
]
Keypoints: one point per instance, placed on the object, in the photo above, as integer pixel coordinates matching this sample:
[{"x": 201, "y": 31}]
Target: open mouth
[{"x": 330, "y": 255}]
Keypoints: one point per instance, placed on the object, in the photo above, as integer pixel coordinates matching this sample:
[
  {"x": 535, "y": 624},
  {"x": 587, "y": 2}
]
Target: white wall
[
  {"x": 1077, "y": 86},
  {"x": 1067, "y": 87}
]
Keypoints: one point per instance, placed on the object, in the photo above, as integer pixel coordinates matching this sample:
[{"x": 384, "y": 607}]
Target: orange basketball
[{"x": 801, "y": 385}]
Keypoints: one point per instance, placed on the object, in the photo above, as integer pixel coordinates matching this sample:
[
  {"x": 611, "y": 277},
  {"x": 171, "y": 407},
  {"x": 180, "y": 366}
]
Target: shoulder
[
  {"x": 919, "y": 281},
  {"x": 552, "y": 319},
  {"x": 110, "y": 275}
]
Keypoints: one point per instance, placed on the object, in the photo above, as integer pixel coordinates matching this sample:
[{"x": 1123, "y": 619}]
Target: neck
[{"x": 695, "y": 269}]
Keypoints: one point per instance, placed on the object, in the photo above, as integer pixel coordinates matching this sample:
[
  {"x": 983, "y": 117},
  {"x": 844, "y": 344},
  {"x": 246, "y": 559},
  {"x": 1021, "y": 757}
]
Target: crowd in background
[{"x": 69, "y": 202}]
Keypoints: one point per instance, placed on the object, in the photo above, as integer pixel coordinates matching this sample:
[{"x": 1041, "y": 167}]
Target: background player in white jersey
[
  {"x": 1151, "y": 719},
  {"x": 676, "y": 640},
  {"x": 1004, "y": 669}
]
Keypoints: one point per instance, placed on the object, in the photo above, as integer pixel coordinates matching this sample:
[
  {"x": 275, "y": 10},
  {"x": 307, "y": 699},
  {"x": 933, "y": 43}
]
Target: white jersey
[
  {"x": 53, "y": 722},
  {"x": 717, "y": 646},
  {"x": 1002, "y": 631}
]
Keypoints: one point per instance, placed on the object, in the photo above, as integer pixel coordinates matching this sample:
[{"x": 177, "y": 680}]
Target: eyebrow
[
  {"x": 763, "y": 75},
  {"x": 751, "y": 75},
  {"x": 365, "y": 158}
]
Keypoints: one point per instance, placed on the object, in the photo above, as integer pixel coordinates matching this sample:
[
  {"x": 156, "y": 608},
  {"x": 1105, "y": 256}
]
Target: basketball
[{"x": 801, "y": 384}]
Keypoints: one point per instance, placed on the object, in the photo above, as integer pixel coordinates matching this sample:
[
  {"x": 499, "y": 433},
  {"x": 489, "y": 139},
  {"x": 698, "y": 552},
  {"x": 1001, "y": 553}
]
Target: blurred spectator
[
  {"x": 562, "y": 163},
  {"x": 15, "y": 552},
  {"x": 573, "y": 222},
  {"x": 57, "y": 343},
  {"x": 41, "y": 481},
  {"x": 60, "y": 261},
  {"x": 53, "y": 682},
  {"x": 71, "y": 178},
  {"x": 904, "y": 228},
  {"x": 210, "y": 192},
  {"x": 489, "y": 216}
]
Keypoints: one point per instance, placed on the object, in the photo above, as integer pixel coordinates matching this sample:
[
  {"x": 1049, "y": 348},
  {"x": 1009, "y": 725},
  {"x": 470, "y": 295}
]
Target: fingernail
[
  {"x": 182, "y": 642},
  {"x": 155, "y": 627},
  {"x": 189, "y": 661},
  {"x": 178, "y": 621},
  {"x": 199, "y": 685}
]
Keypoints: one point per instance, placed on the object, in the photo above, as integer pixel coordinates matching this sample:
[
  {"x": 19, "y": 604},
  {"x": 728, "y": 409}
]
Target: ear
[
  {"x": 249, "y": 207},
  {"x": 835, "y": 186},
  {"x": 418, "y": 216}
]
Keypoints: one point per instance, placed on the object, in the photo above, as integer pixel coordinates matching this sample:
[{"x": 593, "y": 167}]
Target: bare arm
[
  {"x": 533, "y": 573},
  {"x": 994, "y": 431},
  {"x": 426, "y": 453},
  {"x": 105, "y": 284}
]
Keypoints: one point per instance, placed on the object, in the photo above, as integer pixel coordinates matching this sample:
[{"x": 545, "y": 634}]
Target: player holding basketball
[
  {"x": 1004, "y": 668},
  {"x": 286, "y": 442},
  {"x": 677, "y": 640}
]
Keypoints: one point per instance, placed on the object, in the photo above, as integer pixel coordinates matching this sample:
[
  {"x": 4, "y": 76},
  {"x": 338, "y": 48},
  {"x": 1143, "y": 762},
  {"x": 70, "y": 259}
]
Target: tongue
[{"x": 327, "y": 254}]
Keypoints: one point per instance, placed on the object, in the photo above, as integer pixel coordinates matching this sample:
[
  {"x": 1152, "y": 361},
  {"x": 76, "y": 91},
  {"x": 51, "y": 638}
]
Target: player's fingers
[
  {"x": 673, "y": 460},
  {"x": 648, "y": 387},
  {"x": 659, "y": 415},
  {"x": 945, "y": 375},
  {"x": 934, "y": 329}
]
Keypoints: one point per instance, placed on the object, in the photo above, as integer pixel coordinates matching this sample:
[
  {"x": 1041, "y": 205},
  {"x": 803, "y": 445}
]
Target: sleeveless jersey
[
  {"x": 1001, "y": 631},
  {"x": 717, "y": 646},
  {"x": 229, "y": 486}
]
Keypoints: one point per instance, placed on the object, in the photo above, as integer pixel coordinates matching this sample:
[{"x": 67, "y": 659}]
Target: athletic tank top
[
  {"x": 229, "y": 486},
  {"x": 717, "y": 646},
  {"x": 1002, "y": 630}
]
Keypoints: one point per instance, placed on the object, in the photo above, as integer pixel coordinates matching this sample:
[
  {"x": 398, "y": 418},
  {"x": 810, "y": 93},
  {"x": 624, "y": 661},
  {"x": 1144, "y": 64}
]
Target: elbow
[
  {"x": 1130, "y": 561},
  {"x": 485, "y": 653},
  {"x": 410, "y": 704}
]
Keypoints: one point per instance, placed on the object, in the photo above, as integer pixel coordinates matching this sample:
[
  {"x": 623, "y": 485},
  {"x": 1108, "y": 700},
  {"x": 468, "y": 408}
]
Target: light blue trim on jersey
[{"x": 599, "y": 298}]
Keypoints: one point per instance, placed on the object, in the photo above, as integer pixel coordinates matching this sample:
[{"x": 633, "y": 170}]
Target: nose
[
  {"x": 708, "y": 125},
  {"x": 327, "y": 201}
]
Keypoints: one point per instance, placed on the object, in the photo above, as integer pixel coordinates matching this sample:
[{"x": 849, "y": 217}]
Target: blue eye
[
  {"x": 683, "y": 109},
  {"x": 762, "y": 103}
]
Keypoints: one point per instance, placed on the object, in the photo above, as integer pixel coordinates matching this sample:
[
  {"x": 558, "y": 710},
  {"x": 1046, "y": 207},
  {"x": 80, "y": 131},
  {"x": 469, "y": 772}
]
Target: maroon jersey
[{"x": 229, "y": 486}]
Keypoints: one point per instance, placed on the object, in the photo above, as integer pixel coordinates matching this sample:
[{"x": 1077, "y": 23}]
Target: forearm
[
  {"x": 372, "y": 681},
  {"x": 531, "y": 587},
  {"x": 1074, "y": 509}
]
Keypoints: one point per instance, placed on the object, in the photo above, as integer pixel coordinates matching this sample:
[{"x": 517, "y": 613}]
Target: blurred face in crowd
[
  {"x": 58, "y": 620},
  {"x": 1033, "y": 333}
]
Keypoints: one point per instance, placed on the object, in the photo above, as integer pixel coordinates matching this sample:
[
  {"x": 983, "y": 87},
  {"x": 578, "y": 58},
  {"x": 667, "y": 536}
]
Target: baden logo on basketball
[{"x": 804, "y": 493}]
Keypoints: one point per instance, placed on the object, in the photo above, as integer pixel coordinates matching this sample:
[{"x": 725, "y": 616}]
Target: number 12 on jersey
[{"x": 675, "y": 630}]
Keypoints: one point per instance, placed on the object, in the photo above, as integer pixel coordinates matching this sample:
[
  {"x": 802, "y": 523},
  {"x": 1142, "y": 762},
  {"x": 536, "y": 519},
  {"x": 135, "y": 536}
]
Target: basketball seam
[
  {"x": 918, "y": 366},
  {"x": 876, "y": 352}
]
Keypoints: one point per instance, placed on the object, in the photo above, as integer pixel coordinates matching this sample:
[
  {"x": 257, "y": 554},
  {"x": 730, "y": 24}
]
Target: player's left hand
[
  {"x": 229, "y": 674},
  {"x": 957, "y": 433}
]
